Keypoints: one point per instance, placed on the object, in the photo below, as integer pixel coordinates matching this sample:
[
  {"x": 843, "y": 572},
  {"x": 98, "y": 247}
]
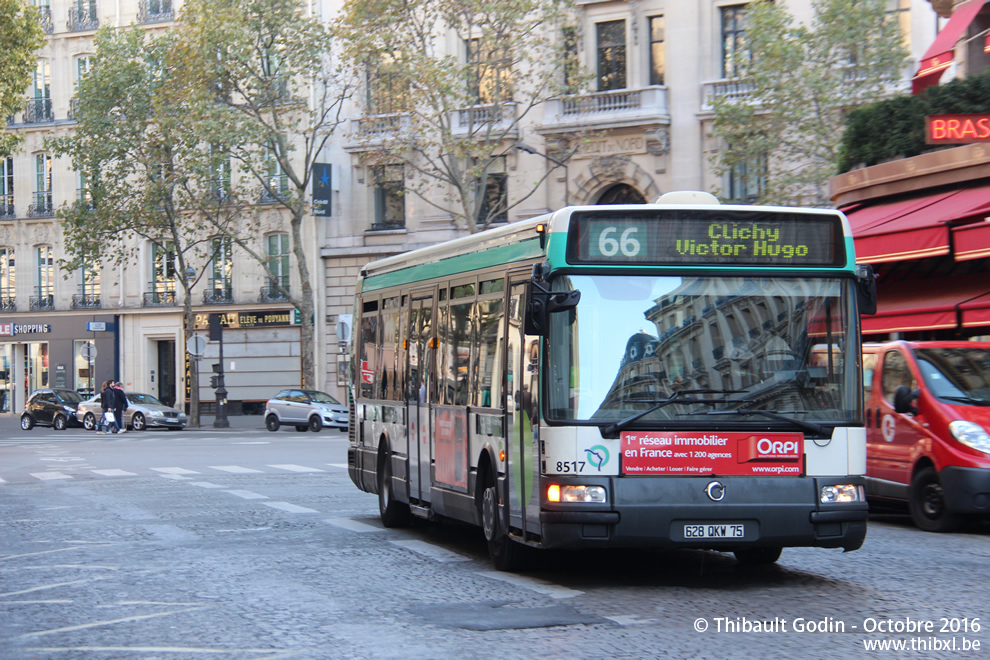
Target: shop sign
[
  {"x": 248, "y": 319},
  {"x": 6, "y": 329},
  {"x": 14, "y": 329},
  {"x": 957, "y": 129}
]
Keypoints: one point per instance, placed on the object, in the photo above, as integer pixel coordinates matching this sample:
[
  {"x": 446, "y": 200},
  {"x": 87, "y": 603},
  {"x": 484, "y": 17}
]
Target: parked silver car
[
  {"x": 143, "y": 411},
  {"x": 305, "y": 409}
]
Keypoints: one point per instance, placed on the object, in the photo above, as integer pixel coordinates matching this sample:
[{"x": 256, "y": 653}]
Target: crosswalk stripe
[
  {"x": 291, "y": 508},
  {"x": 534, "y": 584},
  {"x": 431, "y": 551},
  {"x": 49, "y": 476},
  {"x": 354, "y": 525},
  {"x": 2, "y": 480},
  {"x": 205, "y": 484},
  {"x": 235, "y": 469},
  {"x": 247, "y": 495},
  {"x": 338, "y": 465},
  {"x": 115, "y": 473},
  {"x": 174, "y": 470},
  {"x": 296, "y": 468}
]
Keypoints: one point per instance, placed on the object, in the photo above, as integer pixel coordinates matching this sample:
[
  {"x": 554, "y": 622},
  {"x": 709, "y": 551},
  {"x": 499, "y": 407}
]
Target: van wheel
[
  {"x": 393, "y": 512},
  {"x": 927, "y": 504},
  {"x": 506, "y": 554},
  {"x": 757, "y": 556},
  {"x": 271, "y": 423}
]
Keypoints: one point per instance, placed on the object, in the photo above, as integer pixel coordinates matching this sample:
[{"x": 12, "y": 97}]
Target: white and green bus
[{"x": 681, "y": 374}]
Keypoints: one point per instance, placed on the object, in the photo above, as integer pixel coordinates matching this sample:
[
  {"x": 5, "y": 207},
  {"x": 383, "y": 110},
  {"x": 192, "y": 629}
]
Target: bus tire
[
  {"x": 757, "y": 556},
  {"x": 927, "y": 503},
  {"x": 506, "y": 554},
  {"x": 393, "y": 512}
]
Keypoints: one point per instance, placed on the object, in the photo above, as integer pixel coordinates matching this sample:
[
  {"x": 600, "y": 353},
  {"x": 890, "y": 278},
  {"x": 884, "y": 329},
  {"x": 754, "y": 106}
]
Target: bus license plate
[{"x": 717, "y": 531}]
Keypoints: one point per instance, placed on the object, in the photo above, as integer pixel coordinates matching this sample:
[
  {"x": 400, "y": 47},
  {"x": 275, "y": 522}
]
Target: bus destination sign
[{"x": 712, "y": 238}]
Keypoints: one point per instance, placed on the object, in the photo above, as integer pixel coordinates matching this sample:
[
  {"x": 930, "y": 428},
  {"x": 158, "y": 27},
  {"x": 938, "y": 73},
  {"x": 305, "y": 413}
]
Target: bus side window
[
  {"x": 369, "y": 349},
  {"x": 488, "y": 361}
]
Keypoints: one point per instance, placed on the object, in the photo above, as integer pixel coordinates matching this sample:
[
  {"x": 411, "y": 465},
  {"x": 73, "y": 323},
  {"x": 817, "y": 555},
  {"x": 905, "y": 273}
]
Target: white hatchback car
[{"x": 305, "y": 409}]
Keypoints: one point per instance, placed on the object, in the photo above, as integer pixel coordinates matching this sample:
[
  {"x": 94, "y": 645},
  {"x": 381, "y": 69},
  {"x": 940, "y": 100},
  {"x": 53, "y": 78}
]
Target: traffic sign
[
  {"x": 196, "y": 345},
  {"x": 88, "y": 351}
]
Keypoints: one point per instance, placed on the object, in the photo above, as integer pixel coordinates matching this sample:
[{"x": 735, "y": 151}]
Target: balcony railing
[
  {"x": 41, "y": 207},
  {"x": 38, "y": 110},
  {"x": 83, "y": 17},
  {"x": 41, "y": 301},
  {"x": 732, "y": 89},
  {"x": 613, "y": 108},
  {"x": 158, "y": 297},
  {"x": 389, "y": 225},
  {"x": 218, "y": 294},
  {"x": 85, "y": 301},
  {"x": 45, "y": 18},
  {"x": 155, "y": 11},
  {"x": 7, "y": 211},
  {"x": 8, "y": 303},
  {"x": 271, "y": 294},
  {"x": 483, "y": 117}
]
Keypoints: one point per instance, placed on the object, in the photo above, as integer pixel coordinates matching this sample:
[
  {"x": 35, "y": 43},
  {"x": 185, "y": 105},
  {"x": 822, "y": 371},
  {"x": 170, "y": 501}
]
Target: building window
[
  {"x": 44, "y": 297},
  {"x": 278, "y": 182},
  {"x": 495, "y": 201},
  {"x": 89, "y": 286},
  {"x": 221, "y": 287},
  {"x": 44, "y": 14},
  {"x": 220, "y": 162},
  {"x": 39, "y": 106},
  {"x": 7, "y": 188},
  {"x": 82, "y": 16},
  {"x": 41, "y": 205},
  {"x": 734, "y": 44},
  {"x": 390, "y": 205},
  {"x": 7, "y": 279},
  {"x": 611, "y": 55},
  {"x": 657, "y": 56},
  {"x": 572, "y": 61},
  {"x": 278, "y": 267},
  {"x": 161, "y": 288},
  {"x": 746, "y": 181},
  {"x": 388, "y": 93},
  {"x": 155, "y": 11},
  {"x": 489, "y": 73}
]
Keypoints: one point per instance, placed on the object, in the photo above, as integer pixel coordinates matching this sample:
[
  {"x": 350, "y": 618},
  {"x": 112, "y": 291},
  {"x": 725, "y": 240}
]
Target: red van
[{"x": 927, "y": 420}]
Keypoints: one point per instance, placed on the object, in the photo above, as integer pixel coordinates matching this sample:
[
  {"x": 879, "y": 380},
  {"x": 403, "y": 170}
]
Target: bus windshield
[{"x": 710, "y": 349}]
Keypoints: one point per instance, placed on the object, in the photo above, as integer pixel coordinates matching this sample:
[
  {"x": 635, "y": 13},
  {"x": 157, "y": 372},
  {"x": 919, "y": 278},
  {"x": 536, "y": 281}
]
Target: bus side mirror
[
  {"x": 541, "y": 303},
  {"x": 866, "y": 289}
]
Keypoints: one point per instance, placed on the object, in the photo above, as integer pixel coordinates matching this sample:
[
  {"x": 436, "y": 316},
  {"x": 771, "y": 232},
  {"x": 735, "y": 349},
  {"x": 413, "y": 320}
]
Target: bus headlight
[
  {"x": 556, "y": 493},
  {"x": 971, "y": 435},
  {"x": 842, "y": 493}
]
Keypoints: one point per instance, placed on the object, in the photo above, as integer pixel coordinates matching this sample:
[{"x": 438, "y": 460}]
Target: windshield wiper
[
  {"x": 813, "y": 427},
  {"x": 614, "y": 428},
  {"x": 967, "y": 399}
]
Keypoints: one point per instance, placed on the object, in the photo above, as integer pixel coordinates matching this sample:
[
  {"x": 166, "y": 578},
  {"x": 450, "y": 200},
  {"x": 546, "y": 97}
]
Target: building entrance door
[{"x": 166, "y": 372}]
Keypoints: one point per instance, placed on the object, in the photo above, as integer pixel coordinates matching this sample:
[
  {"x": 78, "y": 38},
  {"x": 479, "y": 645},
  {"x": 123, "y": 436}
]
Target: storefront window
[
  {"x": 6, "y": 385},
  {"x": 84, "y": 361},
  {"x": 35, "y": 366}
]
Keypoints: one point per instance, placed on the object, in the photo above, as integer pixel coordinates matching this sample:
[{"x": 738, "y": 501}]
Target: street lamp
[{"x": 525, "y": 148}]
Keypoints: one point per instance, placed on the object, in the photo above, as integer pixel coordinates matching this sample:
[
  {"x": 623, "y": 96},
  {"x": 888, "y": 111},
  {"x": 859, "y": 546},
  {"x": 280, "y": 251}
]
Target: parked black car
[{"x": 51, "y": 406}]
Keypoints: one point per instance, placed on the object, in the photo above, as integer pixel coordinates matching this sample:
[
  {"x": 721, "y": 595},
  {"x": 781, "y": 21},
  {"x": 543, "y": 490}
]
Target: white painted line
[
  {"x": 256, "y": 442},
  {"x": 205, "y": 484},
  {"x": 57, "y": 601},
  {"x": 177, "y": 477},
  {"x": 436, "y": 553},
  {"x": 353, "y": 525},
  {"x": 95, "y": 624},
  {"x": 174, "y": 470},
  {"x": 296, "y": 468},
  {"x": 533, "y": 584},
  {"x": 236, "y": 469},
  {"x": 2, "y": 480},
  {"x": 246, "y": 494},
  {"x": 115, "y": 473},
  {"x": 629, "y": 620},
  {"x": 43, "y": 552},
  {"x": 291, "y": 508},
  {"x": 41, "y": 588},
  {"x": 338, "y": 465},
  {"x": 49, "y": 476}
]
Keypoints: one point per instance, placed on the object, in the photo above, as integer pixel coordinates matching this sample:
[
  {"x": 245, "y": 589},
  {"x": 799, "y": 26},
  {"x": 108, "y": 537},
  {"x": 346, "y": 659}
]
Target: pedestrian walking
[
  {"x": 119, "y": 405},
  {"x": 108, "y": 420}
]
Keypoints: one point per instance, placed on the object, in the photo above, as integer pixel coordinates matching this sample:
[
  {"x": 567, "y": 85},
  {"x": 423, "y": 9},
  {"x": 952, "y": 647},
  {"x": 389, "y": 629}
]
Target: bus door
[
  {"x": 523, "y": 425},
  {"x": 420, "y": 369}
]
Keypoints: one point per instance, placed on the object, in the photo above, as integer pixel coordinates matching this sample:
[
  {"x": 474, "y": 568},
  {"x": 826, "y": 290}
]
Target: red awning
[
  {"x": 971, "y": 241},
  {"x": 914, "y": 228},
  {"x": 940, "y": 54},
  {"x": 931, "y": 304}
]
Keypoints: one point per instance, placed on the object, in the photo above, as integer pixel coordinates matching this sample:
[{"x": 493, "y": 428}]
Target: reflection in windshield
[
  {"x": 776, "y": 344},
  {"x": 957, "y": 373}
]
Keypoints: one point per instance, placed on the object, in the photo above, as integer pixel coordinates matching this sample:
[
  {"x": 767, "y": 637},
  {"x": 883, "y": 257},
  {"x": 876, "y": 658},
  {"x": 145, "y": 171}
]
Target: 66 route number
[
  {"x": 626, "y": 243},
  {"x": 571, "y": 466}
]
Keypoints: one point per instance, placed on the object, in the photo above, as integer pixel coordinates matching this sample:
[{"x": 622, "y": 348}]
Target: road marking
[
  {"x": 115, "y": 473},
  {"x": 205, "y": 484},
  {"x": 269, "y": 652},
  {"x": 256, "y": 442},
  {"x": 291, "y": 508},
  {"x": 57, "y": 601},
  {"x": 431, "y": 551},
  {"x": 296, "y": 468},
  {"x": 43, "y": 552},
  {"x": 109, "y": 622},
  {"x": 629, "y": 620},
  {"x": 236, "y": 469},
  {"x": 177, "y": 477},
  {"x": 353, "y": 525},
  {"x": 246, "y": 494},
  {"x": 49, "y": 476},
  {"x": 41, "y": 588},
  {"x": 533, "y": 584},
  {"x": 174, "y": 470},
  {"x": 343, "y": 466},
  {"x": 2, "y": 480}
]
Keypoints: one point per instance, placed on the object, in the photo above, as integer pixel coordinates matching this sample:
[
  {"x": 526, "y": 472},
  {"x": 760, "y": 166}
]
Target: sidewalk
[{"x": 237, "y": 423}]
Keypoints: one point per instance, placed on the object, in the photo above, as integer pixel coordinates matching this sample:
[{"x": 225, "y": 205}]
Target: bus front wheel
[
  {"x": 506, "y": 554},
  {"x": 393, "y": 512}
]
